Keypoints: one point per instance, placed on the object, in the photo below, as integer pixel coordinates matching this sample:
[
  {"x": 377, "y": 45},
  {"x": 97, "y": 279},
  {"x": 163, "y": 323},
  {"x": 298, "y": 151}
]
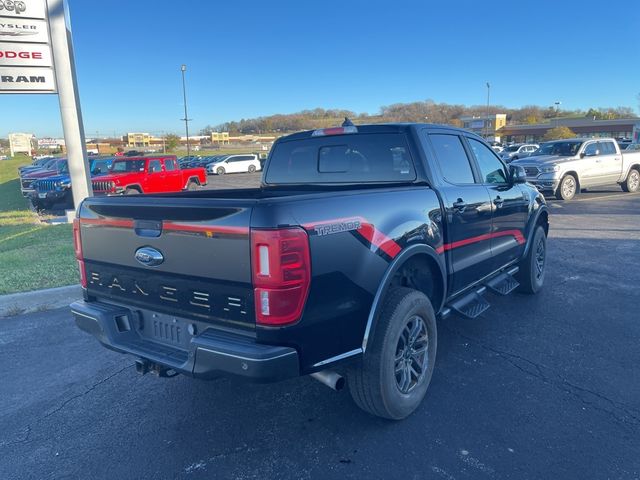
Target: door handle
[
  {"x": 459, "y": 205},
  {"x": 498, "y": 202}
]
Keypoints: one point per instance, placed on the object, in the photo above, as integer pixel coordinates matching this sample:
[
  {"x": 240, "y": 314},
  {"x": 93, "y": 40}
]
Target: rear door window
[
  {"x": 356, "y": 158},
  {"x": 170, "y": 164},
  {"x": 452, "y": 158},
  {"x": 607, "y": 148}
]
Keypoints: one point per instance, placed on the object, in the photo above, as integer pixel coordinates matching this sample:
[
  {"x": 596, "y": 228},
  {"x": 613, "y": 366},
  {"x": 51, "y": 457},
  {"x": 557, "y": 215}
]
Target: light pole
[
  {"x": 183, "y": 68},
  {"x": 557, "y": 104},
  {"x": 486, "y": 122}
]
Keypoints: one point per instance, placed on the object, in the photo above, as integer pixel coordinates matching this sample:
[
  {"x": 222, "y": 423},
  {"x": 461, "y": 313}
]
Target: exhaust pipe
[{"x": 330, "y": 378}]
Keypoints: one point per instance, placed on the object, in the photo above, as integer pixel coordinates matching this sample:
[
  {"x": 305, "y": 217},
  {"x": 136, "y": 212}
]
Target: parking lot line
[{"x": 603, "y": 197}]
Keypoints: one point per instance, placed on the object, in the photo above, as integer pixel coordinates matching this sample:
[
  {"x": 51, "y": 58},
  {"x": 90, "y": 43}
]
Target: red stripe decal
[
  {"x": 170, "y": 226},
  {"x": 517, "y": 234},
  {"x": 107, "y": 223},
  {"x": 218, "y": 229}
]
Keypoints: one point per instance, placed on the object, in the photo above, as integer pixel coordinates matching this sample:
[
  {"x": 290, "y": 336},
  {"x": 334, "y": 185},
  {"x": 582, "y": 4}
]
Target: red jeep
[{"x": 132, "y": 175}]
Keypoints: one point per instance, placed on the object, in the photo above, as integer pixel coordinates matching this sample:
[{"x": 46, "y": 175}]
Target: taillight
[
  {"x": 77, "y": 245},
  {"x": 281, "y": 268}
]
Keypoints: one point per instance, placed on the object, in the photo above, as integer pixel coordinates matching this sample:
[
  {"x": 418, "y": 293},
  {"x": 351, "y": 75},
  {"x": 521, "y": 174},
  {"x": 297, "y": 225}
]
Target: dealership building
[
  {"x": 622, "y": 128},
  {"x": 487, "y": 126}
]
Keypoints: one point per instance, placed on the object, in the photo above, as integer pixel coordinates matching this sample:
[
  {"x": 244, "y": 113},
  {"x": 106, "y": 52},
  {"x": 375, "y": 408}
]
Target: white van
[{"x": 235, "y": 164}]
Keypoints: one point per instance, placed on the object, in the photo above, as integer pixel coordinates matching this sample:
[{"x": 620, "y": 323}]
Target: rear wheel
[
  {"x": 192, "y": 185},
  {"x": 632, "y": 183},
  {"x": 252, "y": 168},
  {"x": 393, "y": 375},
  {"x": 567, "y": 188},
  {"x": 220, "y": 171},
  {"x": 533, "y": 266}
]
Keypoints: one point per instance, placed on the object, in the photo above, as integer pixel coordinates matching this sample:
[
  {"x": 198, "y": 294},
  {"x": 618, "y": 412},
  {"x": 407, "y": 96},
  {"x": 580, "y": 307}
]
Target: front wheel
[
  {"x": 567, "y": 188},
  {"x": 394, "y": 373},
  {"x": 132, "y": 191},
  {"x": 632, "y": 183},
  {"x": 220, "y": 171},
  {"x": 533, "y": 265}
]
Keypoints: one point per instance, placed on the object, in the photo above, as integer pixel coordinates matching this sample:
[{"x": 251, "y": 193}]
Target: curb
[{"x": 38, "y": 300}]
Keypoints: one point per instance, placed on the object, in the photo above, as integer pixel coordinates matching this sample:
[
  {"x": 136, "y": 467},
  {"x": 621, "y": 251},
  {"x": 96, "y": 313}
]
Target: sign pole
[{"x": 65, "y": 72}]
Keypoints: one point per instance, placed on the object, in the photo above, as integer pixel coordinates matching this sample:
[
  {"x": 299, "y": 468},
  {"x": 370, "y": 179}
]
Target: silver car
[
  {"x": 514, "y": 152},
  {"x": 564, "y": 167}
]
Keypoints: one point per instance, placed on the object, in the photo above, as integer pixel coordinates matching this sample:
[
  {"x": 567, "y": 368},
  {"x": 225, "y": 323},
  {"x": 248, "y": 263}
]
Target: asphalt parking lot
[{"x": 542, "y": 386}]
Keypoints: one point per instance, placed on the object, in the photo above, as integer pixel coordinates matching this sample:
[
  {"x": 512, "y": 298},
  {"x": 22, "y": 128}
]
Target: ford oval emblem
[{"x": 149, "y": 257}]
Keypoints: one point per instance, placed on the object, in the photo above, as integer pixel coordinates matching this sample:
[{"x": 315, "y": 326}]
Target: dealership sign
[{"x": 26, "y": 62}]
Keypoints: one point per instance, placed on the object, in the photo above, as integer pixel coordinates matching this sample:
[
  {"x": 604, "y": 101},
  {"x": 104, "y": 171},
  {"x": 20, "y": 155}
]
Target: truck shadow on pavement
[{"x": 538, "y": 386}]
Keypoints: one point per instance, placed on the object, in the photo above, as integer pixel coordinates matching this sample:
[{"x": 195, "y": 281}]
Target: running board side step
[
  {"x": 471, "y": 305},
  {"x": 504, "y": 283}
]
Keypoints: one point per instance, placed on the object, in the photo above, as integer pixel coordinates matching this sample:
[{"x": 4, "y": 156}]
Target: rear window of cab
[{"x": 350, "y": 158}]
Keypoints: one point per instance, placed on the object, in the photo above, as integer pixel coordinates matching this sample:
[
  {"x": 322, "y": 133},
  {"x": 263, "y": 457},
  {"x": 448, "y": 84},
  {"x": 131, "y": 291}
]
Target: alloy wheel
[
  {"x": 412, "y": 354},
  {"x": 569, "y": 187}
]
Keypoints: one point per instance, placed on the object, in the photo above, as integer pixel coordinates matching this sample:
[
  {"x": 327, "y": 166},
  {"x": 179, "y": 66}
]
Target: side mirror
[{"x": 518, "y": 174}]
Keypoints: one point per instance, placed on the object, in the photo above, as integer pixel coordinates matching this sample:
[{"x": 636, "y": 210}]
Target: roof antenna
[{"x": 347, "y": 122}]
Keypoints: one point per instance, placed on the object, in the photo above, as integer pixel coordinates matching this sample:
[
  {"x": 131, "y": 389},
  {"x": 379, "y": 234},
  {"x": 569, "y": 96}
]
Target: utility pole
[
  {"x": 486, "y": 123},
  {"x": 183, "y": 68}
]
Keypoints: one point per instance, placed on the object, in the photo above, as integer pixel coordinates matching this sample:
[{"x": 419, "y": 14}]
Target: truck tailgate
[{"x": 180, "y": 256}]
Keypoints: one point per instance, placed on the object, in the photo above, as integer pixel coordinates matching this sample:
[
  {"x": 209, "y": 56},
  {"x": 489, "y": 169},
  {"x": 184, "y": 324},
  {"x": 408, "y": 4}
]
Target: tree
[
  {"x": 171, "y": 141},
  {"x": 557, "y": 133}
]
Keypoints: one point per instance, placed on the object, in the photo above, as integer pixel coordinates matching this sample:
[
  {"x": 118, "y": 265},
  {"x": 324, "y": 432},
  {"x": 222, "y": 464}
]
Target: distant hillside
[{"x": 426, "y": 111}]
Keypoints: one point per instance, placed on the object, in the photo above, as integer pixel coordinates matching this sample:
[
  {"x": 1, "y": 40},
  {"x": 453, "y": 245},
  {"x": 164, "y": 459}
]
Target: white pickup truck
[{"x": 564, "y": 167}]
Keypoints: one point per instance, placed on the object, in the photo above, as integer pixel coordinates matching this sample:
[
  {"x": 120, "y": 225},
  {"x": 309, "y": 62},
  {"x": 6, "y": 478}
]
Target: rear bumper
[{"x": 208, "y": 354}]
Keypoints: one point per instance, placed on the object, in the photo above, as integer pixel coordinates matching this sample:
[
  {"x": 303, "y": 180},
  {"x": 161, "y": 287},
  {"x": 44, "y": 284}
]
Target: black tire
[
  {"x": 533, "y": 266},
  {"x": 220, "y": 171},
  {"x": 252, "y": 168},
  {"x": 192, "y": 185},
  {"x": 131, "y": 191},
  {"x": 632, "y": 183},
  {"x": 377, "y": 381},
  {"x": 568, "y": 188}
]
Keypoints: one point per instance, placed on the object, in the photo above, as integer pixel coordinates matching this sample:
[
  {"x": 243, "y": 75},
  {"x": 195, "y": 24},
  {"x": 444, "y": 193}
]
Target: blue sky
[{"x": 247, "y": 59}]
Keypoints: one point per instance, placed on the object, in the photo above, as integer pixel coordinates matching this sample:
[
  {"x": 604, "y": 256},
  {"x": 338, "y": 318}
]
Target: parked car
[
  {"x": 563, "y": 167},
  {"x": 338, "y": 266},
  {"x": 185, "y": 162},
  {"x": 235, "y": 164},
  {"x": 56, "y": 167},
  {"x": 134, "y": 153},
  {"x": 133, "y": 175},
  {"x": 623, "y": 143},
  {"x": 514, "y": 152},
  {"x": 37, "y": 164},
  {"x": 632, "y": 147},
  {"x": 56, "y": 189}
]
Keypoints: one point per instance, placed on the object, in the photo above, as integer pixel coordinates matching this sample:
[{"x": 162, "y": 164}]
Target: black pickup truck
[{"x": 338, "y": 266}]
